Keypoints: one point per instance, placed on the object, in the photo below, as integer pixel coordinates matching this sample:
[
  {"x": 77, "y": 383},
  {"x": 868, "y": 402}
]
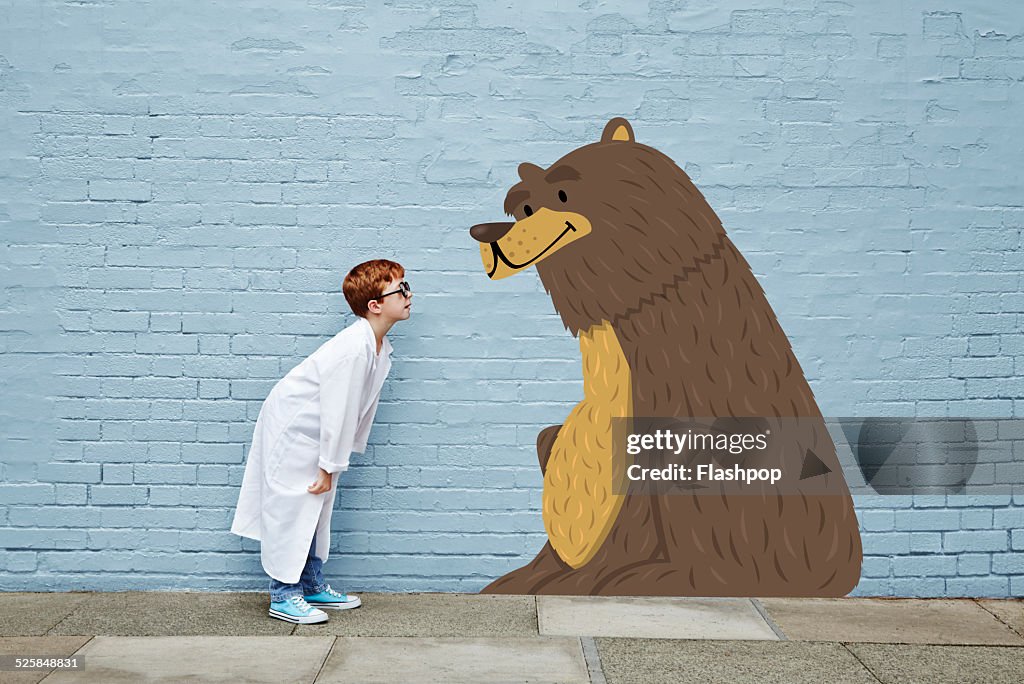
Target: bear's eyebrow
[
  {"x": 562, "y": 173},
  {"x": 513, "y": 198}
]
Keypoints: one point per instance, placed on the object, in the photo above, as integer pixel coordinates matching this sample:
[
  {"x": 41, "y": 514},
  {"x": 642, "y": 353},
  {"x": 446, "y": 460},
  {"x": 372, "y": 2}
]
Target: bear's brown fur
[{"x": 700, "y": 339}]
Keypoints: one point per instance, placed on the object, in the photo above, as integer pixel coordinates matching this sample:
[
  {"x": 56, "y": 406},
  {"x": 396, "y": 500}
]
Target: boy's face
[{"x": 393, "y": 307}]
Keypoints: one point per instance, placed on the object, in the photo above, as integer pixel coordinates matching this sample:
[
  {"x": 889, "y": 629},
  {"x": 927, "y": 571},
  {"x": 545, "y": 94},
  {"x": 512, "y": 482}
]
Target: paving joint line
[
  {"x": 998, "y": 619},
  {"x": 326, "y": 658},
  {"x": 593, "y": 660},
  {"x": 75, "y": 652},
  {"x": 59, "y": 622},
  {"x": 862, "y": 663},
  {"x": 768, "y": 618}
]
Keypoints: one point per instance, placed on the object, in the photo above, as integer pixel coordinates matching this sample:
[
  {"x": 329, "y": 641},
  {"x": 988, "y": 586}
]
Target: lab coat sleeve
[{"x": 341, "y": 394}]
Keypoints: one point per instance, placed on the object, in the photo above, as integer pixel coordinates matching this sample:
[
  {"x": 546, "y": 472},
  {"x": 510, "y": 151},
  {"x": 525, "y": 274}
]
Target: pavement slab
[
  {"x": 141, "y": 613},
  {"x": 481, "y": 660},
  {"x": 36, "y": 646},
  {"x": 910, "y": 664},
  {"x": 1009, "y": 611},
  {"x": 898, "y": 621},
  {"x": 653, "y": 617},
  {"x": 431, "y": 615},
  {"x": 444, "y": 637},
  {"x": 641, "y": 661},
  {"x": 35, "y": 613},
  {"x": 176, "y": 659}
]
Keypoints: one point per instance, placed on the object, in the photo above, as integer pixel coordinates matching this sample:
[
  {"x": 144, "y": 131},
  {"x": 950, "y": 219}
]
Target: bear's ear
[
  {"x": 618, "y": 129},
  {"x": 528, "y": 171}
]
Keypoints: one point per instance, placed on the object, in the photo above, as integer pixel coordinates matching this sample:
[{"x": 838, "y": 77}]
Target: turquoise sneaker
[
  {"x": 328, "y": 598},
  {"x": 295, "y": 609}
]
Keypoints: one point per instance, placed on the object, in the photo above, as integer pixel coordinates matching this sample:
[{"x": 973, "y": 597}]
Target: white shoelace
[
  {"x": 331, "y": 591},
  {"x": 301, "y": 603}
]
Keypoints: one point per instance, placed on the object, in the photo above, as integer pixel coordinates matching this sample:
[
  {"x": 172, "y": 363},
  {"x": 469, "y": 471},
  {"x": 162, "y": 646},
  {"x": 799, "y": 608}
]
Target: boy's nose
[{"x": 490, "y": 232}]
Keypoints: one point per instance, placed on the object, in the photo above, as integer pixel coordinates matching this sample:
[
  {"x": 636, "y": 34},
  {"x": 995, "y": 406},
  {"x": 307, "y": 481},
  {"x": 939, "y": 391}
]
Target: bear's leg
[
  {"x": 654, "y": 577},
  {"x": 752, "y": 545},
  {"x": 526, "y": 579},
  {"x": 634, "y": 542}
]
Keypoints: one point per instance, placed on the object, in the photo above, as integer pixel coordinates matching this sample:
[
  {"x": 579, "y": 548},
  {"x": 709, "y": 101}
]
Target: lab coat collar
[{"x": 385, "y": 347}]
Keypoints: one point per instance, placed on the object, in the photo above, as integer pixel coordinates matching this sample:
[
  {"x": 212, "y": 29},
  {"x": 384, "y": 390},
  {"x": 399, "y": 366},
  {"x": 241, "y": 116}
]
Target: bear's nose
[{"x": 490, "y": 232}]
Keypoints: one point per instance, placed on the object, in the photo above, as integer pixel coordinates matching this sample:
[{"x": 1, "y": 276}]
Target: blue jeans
[{"x": 310, "y": 582}]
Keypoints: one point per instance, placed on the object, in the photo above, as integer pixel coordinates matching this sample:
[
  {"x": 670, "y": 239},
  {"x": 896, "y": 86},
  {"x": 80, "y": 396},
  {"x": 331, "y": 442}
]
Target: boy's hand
[{"x": 322, "y": 484}]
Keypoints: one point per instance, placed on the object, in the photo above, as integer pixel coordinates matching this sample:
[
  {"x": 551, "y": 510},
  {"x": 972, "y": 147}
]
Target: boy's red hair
[{"x": 367, "y": 281}]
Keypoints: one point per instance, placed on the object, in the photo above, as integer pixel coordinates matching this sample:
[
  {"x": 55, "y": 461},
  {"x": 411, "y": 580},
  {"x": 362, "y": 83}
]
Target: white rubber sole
[
  {"x": 311, "y": 620},
  {"x": 337, "y": 606}
]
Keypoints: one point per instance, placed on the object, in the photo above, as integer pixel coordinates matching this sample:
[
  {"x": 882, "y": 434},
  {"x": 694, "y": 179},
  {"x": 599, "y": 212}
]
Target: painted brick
[
  {"x": 100, "y": 495},
  {"x": 157, "y": 540},
  {"x": 976, "y": 520},
  {"x": 53, "y": 516},
  {"x": 919, "y": 587},
  {"x": 925, "y": 566},
  {"x": 888, "y": 543},
  {"x": 995, "y": 540},
  {"x": 876, "y": 566},
  {"x": 194, "y": 248},
  {"x": 27, "y": 493},
  {"x": 70, "y": 472},
  {"x": 877, "y": 521},
  {"x": 926, "y": 542},
  {"x": 13, "y": 538},
  {"x": 873, "y": 587},
  {"x": 21, "y": 561},
  {"x": 928, "y": 519},
  {"x": 989, "y": 586},
  {"x": 149, "y": 473},
  {"x": 209, "y": 541},
  {"x": 1008, "y": 563},
  {"x": 71, "y": 494},
  {"x": 974, "y": 564}
]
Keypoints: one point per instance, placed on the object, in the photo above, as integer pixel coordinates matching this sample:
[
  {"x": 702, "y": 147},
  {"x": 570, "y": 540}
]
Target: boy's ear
[{"x": 373, "y": 303}]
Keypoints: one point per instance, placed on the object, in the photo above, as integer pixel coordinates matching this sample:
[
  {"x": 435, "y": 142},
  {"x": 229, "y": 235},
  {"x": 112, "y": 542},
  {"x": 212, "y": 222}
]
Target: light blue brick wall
[{"x": 184, "y": 186}]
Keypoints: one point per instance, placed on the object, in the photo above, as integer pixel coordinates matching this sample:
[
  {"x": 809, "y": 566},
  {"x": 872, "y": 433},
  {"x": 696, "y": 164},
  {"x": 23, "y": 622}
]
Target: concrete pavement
[{"x": 227, "y": 637}]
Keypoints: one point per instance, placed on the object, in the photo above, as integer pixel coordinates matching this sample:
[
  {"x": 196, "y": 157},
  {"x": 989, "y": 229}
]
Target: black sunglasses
[{"x": 403, "y": 287}]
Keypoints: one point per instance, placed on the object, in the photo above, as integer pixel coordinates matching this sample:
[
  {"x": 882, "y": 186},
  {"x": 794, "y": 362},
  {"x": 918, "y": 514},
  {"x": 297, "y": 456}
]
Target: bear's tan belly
[{"x": 579, "y": 506}]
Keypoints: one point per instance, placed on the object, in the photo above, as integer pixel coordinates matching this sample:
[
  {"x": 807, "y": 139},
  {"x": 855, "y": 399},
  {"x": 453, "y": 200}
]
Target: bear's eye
[
  {"x": 527, "y": 210},
  {"x": 562, "y": 196}
]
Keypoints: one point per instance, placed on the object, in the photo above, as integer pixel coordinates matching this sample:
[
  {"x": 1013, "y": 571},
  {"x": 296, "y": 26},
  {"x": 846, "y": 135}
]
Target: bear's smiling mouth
[{"x": 496, "y": 250}]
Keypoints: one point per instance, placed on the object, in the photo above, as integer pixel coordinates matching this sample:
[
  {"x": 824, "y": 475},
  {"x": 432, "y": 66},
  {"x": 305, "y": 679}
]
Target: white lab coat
[{"x": 313, "y": 418}]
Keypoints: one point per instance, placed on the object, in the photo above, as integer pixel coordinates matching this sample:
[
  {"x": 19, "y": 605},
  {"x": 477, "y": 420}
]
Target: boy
[{"x": 311, "y": 421}]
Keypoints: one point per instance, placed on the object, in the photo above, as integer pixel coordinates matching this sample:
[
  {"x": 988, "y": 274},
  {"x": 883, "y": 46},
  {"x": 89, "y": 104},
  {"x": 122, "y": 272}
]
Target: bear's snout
[{"x": 490, "y": 232}]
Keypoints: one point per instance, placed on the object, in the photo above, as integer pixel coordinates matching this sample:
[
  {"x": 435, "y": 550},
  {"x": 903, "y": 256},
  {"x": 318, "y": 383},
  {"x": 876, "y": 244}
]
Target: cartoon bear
[{"x": 671, "y": 323}]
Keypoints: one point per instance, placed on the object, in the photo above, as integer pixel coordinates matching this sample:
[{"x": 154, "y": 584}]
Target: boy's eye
[
  {"x": 527, "y": 210},
  {"x": 562, "y": 196}
]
